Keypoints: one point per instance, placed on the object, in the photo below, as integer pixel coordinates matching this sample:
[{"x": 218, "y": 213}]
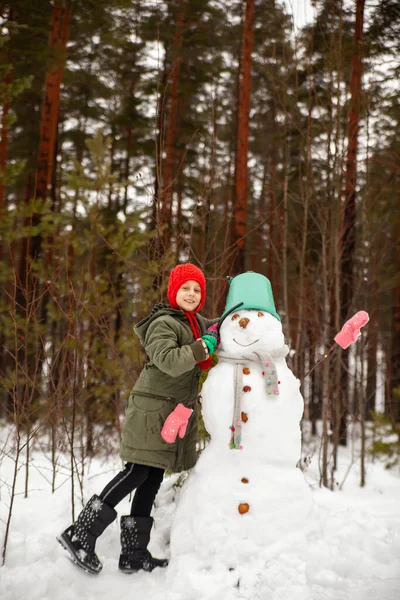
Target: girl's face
[{"x": 189, "y": 296}]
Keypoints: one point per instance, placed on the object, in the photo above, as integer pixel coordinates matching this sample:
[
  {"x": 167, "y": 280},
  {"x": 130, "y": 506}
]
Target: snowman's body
[{"x": 235, "y": 500}]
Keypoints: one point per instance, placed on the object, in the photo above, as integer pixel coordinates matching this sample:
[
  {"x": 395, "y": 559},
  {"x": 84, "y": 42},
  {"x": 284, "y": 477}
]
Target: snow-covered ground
[{"x": 352, "y": 550}]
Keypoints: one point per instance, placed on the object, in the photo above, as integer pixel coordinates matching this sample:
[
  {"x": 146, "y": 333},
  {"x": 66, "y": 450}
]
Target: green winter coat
[{"x": 170, "y": 377}]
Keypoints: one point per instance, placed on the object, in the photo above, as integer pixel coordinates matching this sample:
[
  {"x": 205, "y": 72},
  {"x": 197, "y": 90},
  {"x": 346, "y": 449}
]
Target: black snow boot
[
  {"x": 135, "y": 536},
  {"x": 80, "y": 538}
]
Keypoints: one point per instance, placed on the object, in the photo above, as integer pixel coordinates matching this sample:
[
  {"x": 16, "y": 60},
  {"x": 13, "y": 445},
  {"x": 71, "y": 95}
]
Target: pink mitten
[
  {"x": 176, "y": 423},
  {"x": 351, "y": 329}
]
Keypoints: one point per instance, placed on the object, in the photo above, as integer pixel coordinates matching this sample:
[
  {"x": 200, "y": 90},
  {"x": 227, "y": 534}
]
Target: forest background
[{"x": 139, "y": 134}]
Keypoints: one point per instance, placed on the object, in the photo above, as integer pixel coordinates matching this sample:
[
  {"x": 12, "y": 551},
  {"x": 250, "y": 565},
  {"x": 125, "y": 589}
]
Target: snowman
[{"x": 245, "y": 504}]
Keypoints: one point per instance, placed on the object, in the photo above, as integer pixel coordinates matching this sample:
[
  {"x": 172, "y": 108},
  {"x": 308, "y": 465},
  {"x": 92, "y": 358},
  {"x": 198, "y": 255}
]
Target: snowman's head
[{"x": 246, "y": 331}]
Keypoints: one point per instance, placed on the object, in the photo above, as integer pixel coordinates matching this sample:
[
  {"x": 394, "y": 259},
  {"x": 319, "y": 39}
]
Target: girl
[{"x": 160, "y": 429}]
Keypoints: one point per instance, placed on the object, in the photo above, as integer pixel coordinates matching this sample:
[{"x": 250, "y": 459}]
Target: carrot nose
[{"x": 244, "y": 322}]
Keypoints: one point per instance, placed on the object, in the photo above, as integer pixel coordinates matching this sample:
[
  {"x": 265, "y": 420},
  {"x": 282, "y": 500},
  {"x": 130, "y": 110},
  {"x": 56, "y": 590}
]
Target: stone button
[
  {"x": 246, "y": 371},
  {"x": 244, "y": 417},
  {"x": 243, "y": 508},
  {"x": 247, "y": 388}
]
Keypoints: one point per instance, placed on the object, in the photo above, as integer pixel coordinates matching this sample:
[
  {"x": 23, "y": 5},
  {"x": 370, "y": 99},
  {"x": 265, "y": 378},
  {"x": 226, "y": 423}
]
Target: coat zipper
[
  {"x": 165, "y": 397},
  {"x": 153, "y": 396}
]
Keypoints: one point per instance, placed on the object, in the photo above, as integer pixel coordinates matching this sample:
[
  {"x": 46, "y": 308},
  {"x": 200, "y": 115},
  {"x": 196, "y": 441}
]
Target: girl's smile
[{"x": 189, "y": 296}]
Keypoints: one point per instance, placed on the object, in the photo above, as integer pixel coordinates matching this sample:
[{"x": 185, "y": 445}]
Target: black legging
[{"x": 146, "y": 479}]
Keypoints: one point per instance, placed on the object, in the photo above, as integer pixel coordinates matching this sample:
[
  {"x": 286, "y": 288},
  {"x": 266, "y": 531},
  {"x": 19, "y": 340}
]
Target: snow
[
  {"x": 353, "y": 552},
  {"x": 297, "y": 541}
]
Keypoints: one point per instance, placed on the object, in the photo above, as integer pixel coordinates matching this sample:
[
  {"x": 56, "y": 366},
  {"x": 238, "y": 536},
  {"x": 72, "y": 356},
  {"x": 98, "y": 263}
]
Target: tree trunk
[
  {"x": 180, "y": 235},
  {"x": 3, "y": 212},
  {"x": 272, "y": 217},
  {"x": 159, "y": 126},
  {"x": 372, "y": 352},
  {"x": 170, "y": 142},
  {"x": 31, "y": 302},
  {"x": 393, "y": 402},
  {"x": 257, "y": 250},
  {"x": 238, "y": 233},
  {"x": 4, "y": 133},
  {"x": 50, "y": 110},
  {"x": 3, "y": 154},
  {"x": 349, "y": 204},
  {"x": 326, "y": 405},
  {"x": 362, "y": 416},
  {"x": 128, "y": 146}
]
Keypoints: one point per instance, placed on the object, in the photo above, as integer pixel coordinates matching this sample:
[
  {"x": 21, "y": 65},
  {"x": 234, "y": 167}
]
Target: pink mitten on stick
[
  {"x": 176, "y": 423},
  {"x": 351, "y": 329}
]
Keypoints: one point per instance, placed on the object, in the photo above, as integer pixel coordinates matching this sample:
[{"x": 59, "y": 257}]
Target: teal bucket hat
[{"x": 249, "y": 291}]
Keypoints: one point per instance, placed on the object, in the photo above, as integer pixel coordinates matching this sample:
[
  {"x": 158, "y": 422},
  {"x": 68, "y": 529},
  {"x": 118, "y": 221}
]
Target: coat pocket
[
  {"x": 145, "y": 418},
  {"x": 153, "y": 402}
]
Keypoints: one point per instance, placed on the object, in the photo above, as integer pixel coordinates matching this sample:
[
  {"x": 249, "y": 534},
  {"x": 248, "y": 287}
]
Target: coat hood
[{"x": 159, "y": 310}]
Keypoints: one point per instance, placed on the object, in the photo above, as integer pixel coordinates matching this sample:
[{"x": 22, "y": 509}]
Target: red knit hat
[{"x": 180, "y": 275}]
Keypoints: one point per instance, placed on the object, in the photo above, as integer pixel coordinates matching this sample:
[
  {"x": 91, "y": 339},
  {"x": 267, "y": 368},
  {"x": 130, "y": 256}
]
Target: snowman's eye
[
  {"x": 260, "y": 314},
  {"x": 236, "y": 316}
]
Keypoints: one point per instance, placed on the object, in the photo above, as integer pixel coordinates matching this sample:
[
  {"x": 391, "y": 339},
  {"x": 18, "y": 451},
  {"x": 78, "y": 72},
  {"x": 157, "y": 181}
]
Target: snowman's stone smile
[{"x": 245, "y": 345}]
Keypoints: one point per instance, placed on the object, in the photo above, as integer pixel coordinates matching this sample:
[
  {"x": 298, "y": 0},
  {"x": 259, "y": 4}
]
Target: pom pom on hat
[{"x": 180, "y": 275}]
